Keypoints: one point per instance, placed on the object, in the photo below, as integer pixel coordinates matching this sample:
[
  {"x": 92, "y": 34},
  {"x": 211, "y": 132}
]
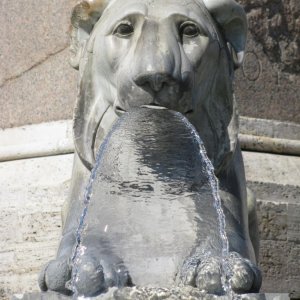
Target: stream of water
[
  {"x": 214, "y": 185},
  {"x": 79, "y": 249}
]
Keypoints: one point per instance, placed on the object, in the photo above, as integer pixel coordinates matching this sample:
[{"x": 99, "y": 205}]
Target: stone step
[{"x": 32, "y": 192}]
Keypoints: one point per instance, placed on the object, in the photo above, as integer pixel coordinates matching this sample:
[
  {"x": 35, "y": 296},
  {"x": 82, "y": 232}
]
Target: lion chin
[{"x": 179, "y": 55}]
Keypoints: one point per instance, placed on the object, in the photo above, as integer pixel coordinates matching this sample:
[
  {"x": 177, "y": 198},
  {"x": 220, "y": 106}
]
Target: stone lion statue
[{"x": 176, "y": 54}]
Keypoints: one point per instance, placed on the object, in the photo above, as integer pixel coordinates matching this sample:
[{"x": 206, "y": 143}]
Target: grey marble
[{"x": 149, "y": 217}]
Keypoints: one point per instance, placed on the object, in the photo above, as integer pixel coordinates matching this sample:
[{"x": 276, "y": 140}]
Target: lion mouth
[
  {"x": 120, "y": 111},
  {"x": 154, "y": 106}
]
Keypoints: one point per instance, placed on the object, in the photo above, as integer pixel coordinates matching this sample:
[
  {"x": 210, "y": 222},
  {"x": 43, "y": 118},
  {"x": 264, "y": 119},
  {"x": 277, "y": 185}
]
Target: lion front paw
[
  {"x": 90, "y": 276},
  {"x": 55, "y": 275},
  {"x": 244, "y": 277},
  {"x": 93, "y": 276}
]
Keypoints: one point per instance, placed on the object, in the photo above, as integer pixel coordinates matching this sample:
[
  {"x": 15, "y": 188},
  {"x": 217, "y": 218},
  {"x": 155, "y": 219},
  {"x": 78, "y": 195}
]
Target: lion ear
[
  {"x": 232, "y": 19},
  {"x": 84, "y": 17}
]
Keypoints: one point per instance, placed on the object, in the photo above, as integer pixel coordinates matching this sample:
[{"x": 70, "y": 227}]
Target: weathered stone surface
[
  {"x": 269, "y": 128},
  {"x": 278, "y": 214},
  {"x": 47, "y": 92},
  {"x": 33, "y": 62},
  {"x": 273, "y": 221},
  {"x": 31, "y": 196},
  {"x": 273, "y": 260},
  {"x": 276, "y": 169},
  {"x": 36, "y": 140},
  {"x": 267, "y": 87},
  {"x": 30, "y": 33},
  {"x": 293, "y": 263},
  {"x": 184, "y": 293},
  {"x": 276, "y": 26},
  {"x": 294, "y": 223},
  {"x": 268, "y": 84},
  {"x": 275, "y": 193}
]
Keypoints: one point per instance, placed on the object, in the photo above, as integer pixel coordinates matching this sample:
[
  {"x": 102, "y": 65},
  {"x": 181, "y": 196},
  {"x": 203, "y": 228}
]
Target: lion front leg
[
  {"x": 89, "y": 272},
  {"x": 207, "y": 274},
  {"x": 94, "y": 268},
  {"x": 206, "y": 267},
  {"x": 210, "y": 271},
  {"x": 55, "y": 275}
]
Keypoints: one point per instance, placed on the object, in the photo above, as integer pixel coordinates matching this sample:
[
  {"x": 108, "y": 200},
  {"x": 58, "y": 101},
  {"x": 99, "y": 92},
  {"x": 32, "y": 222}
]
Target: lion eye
[
  {"x": 124, "y": 30},
  {"x": 189, "y": 29}
]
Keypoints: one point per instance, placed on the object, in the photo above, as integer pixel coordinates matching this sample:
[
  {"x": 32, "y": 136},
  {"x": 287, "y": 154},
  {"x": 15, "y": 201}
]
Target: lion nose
[
  {"x": 155, "y": 81},
  {"x": 157, "y": 59}
]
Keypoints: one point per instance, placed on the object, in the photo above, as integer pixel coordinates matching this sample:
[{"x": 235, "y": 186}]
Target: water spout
[{"x": 151, "y": 199}]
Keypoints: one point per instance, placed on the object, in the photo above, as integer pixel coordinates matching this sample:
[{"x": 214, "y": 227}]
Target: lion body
[{"x": 173, "y": 55}]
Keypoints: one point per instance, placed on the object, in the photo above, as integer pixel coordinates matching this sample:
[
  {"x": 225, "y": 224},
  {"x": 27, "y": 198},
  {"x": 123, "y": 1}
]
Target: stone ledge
[
  {"x": 56, "y": 137},
  {"x": 38, "y": 140},
  {"x": 269, "y": 128},
  {"x": 186, "y": 293}
]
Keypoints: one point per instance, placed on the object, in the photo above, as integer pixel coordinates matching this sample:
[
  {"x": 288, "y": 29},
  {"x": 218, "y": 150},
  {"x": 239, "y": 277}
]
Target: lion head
[{"x": 178, "y": 54}]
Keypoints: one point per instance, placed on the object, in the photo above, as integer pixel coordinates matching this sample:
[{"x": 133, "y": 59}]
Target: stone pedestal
[{"x": 186, "y": 293}]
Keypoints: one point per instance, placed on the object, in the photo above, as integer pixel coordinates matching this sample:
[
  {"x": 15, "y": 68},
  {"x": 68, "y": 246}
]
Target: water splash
[{"x": 214, "y": 184}]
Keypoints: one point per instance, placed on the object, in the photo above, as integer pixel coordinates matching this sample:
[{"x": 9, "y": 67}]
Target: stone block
[
  {"x": 269, "y": 128},
  {"x": 294, "y": 264},
  {"x": 31, "y": 196},
  {"x": 273, "y": 221},
  {"x": 275, "y": 284},
  {"x": 294, "y": 223},
  {"x": 37, "y": 226},
  {"x": 278, "y": 217},
  {"x": 9, "y": 234},
  {"x": 13, "y": 282},
  {"x": 30, "y": 257},
  {"x": 272, "y": 168},
  {"x": 274, "y": 262},
  {"x": 30, "y": 32},
  {"x": 276, "y": 193},
  {"x": 268, "y": 84},
  {"x": 47, "y": 92},
  {"x": 7, "y": 260}
]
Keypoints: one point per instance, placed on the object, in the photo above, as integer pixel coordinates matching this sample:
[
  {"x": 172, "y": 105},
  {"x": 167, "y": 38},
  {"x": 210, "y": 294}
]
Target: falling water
[
  {"x": 214, "y": 184},
  {"x": 79, "y": 249}
]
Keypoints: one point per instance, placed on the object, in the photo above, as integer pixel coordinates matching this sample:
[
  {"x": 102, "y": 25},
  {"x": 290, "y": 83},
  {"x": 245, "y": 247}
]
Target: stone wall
[
  {"x": 268, "y": 84},
  {"x": 37, "y": 84},
  {"x": 278, "y": 212},
  {"x": 32, "y": 192},
  {"x": 31, "y": 197}
]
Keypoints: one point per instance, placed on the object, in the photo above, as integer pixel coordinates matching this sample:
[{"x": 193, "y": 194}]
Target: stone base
[{"x": 185, "y": 293}]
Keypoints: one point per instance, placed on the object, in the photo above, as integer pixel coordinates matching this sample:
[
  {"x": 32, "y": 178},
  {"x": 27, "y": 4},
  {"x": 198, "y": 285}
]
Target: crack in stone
[{"x": 14, "y": 77}]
